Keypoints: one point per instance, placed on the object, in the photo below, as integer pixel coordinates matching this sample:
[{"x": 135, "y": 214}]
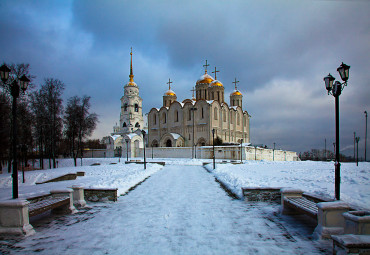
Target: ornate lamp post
[
  {"x": 213, "y": 143},
  {"x": 273, "y": 153},
  {"x": 143, "y": 132},
  {"x": 15, "y": 86},
  {"x": 335, "y": 90}
]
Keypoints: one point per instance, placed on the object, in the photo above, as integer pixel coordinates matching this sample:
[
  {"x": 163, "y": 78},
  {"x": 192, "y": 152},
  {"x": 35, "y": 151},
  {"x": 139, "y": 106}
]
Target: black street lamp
[
  {"x": 357, "y": 140},
  {"x": 143, "y": 132},
  {"x": 241, "y": 150},
  {"x": 192, "y": 145},
  {"x": 365, "y": 132},
  {"x": 213, "y": 144},
  {"x": 273, "y": 153},
  {"x": 126, "y": 150},
  {"x": 15, "y": 86},
  {"x": 336, "y": 89}
]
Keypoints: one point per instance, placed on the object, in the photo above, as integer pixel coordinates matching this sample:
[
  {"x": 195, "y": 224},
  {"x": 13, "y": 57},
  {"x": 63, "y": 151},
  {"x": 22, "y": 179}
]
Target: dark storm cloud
[{"x": 278, "y": 50}]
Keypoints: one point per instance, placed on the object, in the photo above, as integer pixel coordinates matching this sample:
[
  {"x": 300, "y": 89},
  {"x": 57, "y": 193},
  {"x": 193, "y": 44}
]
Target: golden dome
[
  {"x": 169, "y": 93},
  {"x": 216, "y": 83},
  {"x": 206, "y": 78},
  {"x": 236, "y": 93}
]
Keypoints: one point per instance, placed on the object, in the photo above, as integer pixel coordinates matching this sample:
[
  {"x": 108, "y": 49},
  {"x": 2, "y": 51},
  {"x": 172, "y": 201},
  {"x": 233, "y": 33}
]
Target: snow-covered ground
[
  {"x": 180, "y": 209},
  {"x": 310, "y": 176}
]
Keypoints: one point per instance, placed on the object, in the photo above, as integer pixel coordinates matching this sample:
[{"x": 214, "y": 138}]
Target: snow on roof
[
  {"x": 131, "y": 135},
  {"x": 234, "y": 107},
  {"x": 175, "y": 136},
  {"x": 115, "y": 137},
  {"x": 210, "y": 101}
]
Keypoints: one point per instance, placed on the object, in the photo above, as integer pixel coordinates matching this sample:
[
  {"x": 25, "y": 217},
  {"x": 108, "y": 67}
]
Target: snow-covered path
[{"x": 179, "y": 210}]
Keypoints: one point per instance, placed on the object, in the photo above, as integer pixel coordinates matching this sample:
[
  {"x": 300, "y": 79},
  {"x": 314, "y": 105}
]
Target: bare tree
[{"x": 79, "y": 124}]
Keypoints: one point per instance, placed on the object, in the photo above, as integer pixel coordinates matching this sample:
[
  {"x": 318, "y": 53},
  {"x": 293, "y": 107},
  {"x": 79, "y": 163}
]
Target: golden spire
[
  {"x": 215, "y": 72},
  {"x": 206, "y": 65},
  {"x": 235, "y": 83},
  {"x": 131, "y": 72}
]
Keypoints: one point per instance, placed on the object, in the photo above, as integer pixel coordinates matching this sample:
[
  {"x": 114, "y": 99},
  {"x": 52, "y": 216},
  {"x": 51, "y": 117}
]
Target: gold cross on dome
[
  {"x": 169, "y": 83},
  {"x": 215, "y": 72},
  {"x": 206, "y": 65},
  {"x": 235, "y": 83}
]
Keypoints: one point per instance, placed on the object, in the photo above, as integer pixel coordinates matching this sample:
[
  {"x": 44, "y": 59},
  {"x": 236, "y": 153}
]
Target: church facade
[{"x": 190, "y": 122}]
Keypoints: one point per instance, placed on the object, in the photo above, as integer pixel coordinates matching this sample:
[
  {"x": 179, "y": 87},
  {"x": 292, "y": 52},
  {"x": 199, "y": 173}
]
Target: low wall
[{"x": 221, "y": 152}]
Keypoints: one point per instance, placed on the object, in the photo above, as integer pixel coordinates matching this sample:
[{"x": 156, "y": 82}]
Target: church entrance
[
  {"x": 168, "y": 143},
  {"x": 136, "y": 152}
]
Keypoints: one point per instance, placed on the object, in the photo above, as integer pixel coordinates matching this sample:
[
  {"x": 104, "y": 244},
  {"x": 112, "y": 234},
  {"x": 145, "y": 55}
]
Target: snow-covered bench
[
  {"x": 293, "y": 202},
  {"x": 15, "y": 213},
  {"x": 329, "y": 215}
]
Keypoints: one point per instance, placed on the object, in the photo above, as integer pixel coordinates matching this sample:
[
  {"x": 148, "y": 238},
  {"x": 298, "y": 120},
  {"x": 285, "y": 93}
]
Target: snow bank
[{"x": 311, "y": 177}]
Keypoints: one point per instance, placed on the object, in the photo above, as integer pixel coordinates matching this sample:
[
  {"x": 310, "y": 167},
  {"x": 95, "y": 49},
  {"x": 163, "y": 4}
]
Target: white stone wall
[{"x": 222, "y": 152}]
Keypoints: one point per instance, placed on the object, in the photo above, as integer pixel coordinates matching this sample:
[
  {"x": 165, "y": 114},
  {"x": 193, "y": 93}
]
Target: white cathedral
[
  {"x": 193, "y": 121},
  {"x": 182, "y": 124}
]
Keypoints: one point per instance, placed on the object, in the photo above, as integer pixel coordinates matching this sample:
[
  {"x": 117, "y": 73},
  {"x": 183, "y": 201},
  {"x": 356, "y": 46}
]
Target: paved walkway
[{"x": 179, "y": 210}]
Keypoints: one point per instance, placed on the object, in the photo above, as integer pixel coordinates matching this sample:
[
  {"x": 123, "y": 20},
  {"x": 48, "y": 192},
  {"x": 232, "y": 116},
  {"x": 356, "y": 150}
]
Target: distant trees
[
  {"x": 48, "y": 109},
  {"x": 43, "y": 126},
  {"x": 79, "y": 124},
  {"x": 322, "y": 155}
]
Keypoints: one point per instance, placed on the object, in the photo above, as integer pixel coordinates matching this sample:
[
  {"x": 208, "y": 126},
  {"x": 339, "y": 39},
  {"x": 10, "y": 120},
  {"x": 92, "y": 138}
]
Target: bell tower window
[
  {"x": 125, "y": 107},
  {"x": 136, "y": 108}
]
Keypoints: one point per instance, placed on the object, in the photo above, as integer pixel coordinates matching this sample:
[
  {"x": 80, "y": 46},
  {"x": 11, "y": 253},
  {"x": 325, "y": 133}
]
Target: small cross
[
  {"x": 131, "y": 51},
  {"x": 193, "y": 91},
  {"x": 215, "y": 72},
  {"x": 206, "y": 65},
  {"x": 235, "y": 83},
  {"x": 169, "y": 84}
]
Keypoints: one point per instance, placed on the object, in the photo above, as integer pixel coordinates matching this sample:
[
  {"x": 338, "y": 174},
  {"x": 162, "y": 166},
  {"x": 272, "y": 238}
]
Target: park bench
[
  {"x": 327, "y": 214},
  {"x": 15, "y": 213},
  {"x": 44, "y": 203}
]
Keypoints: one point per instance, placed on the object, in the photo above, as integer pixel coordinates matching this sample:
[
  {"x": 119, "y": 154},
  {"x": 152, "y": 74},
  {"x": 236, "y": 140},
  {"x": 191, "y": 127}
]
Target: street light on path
[
  {"x": 213, "y": 143},
  {"x": 241, "y": 150},
  {"x": 335, "y": 90},
  {"x": 193, "y": 143},
  {"x": 15, "y": 86},
  {"x": 143, "y": 132},
  {"x": 357, "y": 140}
]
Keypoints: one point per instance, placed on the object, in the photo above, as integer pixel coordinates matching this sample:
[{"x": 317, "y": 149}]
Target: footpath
[{"x": 178, "y": 210}]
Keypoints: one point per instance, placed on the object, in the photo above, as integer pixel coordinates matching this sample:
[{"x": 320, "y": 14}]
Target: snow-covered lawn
[
  {"x": 310, "y": 176},
  {"x": 107, "y": 175}
]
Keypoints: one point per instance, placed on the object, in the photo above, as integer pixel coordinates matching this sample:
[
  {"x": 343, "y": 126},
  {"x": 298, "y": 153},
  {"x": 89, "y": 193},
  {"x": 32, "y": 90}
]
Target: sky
[{"x": 278, "y": 50}]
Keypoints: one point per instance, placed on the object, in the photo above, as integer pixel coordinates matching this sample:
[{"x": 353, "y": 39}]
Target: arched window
[
  {"x": 164, "y": 117},
  {"x": 155, "y": 143},
  {"x": 154, "y": 119},
  {"x": 224, "y": 113},
  {"x": 125, "y": 107},
  {"x": 202, "y": 113},
  {"x": 189, "y": 118},
  {"x": 124, "y": 124},
  {"x": 168, "y": 143},
  {"x": 218, "y": 95},
  {"x": 216, "y": 114},
  {"x": 137, "y": 125},
  {"x": 238, "y": 118},
  {"x": 213, "y": 95},
  {"x": 176, "y": 116},
  {"x": 136, "y": 108},
  {"x": 231, "y": 118}
]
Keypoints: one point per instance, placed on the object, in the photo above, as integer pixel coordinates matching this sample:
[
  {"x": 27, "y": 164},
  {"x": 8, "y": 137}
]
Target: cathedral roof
[
  {"x": 216, "y": 83},
  {"x": 205, "y": 78},
  {"x": 236, "y": 93},
  {"x": 170, "y": 93}
]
